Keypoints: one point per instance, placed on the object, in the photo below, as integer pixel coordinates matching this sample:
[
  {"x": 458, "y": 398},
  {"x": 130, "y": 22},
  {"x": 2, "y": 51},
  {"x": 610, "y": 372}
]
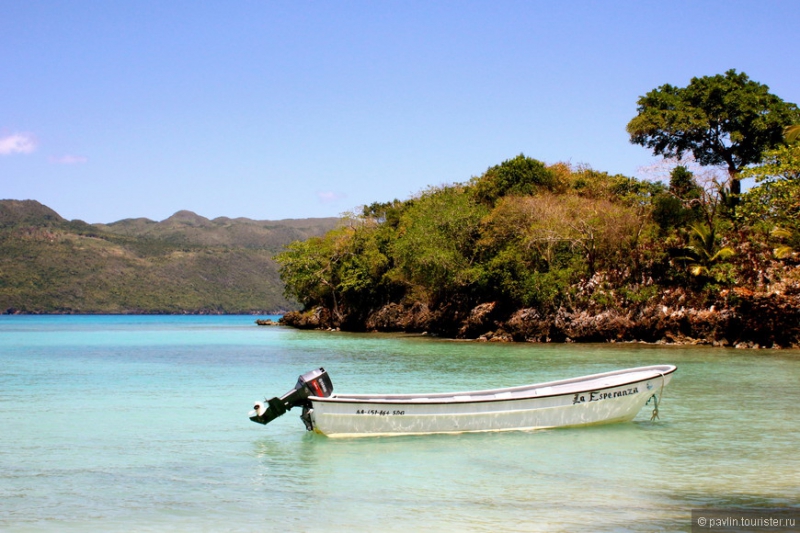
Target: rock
[
  {"x": 316, "y": 318},
  {"x": 740, "y": 317},
  {"x": 528, "y": 325},
  {"x": 601, "y": 327},
  {"x": 478, "y": 320},
  {"x": 397, "y": 317},
  {"x": 391, "y": 317}
]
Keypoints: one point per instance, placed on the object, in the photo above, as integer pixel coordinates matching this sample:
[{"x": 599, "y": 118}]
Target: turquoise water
[{"x": 140, "y": 424}]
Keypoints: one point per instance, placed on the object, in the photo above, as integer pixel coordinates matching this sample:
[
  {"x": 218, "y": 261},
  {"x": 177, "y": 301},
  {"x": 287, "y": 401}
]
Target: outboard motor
[{"x": 314, "y": 383}]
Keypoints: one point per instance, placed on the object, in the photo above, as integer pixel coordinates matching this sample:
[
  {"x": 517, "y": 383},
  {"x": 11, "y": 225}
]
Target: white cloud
[
  {"x": 327, "y": 197},
  {"x": 69, "y": 159},
  {"x": 17, "y": 143}
]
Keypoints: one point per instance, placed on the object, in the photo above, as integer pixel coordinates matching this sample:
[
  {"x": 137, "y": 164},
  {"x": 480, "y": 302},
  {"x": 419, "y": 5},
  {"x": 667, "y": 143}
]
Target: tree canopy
[
  {"x": 529, "y": 250},
  {"x": 518, "y": 176},
  {"x": 724, "y": 120},
  {"x": 522, "y": 232}
]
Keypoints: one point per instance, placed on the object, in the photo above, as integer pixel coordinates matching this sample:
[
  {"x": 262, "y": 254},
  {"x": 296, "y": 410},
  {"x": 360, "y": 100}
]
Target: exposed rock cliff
[{"x": 739, "y": 317}]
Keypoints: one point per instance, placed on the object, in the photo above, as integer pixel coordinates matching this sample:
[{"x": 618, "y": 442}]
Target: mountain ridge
[
  {"x": 26, "y": 211},
  {"x": 186, "y": 263}
]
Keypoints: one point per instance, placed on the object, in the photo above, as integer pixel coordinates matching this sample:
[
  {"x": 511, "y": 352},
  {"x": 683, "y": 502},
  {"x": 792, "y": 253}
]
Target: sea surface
[{"x": 139, "y": 423}]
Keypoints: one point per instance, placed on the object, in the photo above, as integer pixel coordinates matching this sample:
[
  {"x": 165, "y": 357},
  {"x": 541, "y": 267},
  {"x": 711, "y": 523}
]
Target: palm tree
[
  {"x": 703, "y": 251},
  {"x": 786, "y": 250},
  {"x": 791, "y": 133}
]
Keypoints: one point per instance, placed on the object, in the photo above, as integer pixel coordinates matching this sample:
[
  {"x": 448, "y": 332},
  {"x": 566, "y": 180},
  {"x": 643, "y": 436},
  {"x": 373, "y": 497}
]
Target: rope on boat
[
  {"x": 655, "y": 398},
  {"x": 655, "y": 408}
]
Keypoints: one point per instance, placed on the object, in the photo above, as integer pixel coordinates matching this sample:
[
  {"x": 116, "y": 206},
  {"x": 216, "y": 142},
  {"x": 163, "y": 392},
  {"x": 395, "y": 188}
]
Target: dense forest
[
  {"x": 184, "y": 264},
  {"x": 539, "y": 252}
]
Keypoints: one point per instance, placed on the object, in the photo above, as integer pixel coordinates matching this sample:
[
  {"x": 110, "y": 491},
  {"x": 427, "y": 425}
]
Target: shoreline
[
  {"x": 19, "y": 312},
  {"x": 739, "y": 318}
]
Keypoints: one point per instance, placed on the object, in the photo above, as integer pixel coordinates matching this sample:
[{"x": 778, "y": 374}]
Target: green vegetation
[
  {"x": 522, "y": 233},
  {"x": 723, "y": 120},
  {"x": 704, "y": 251},
  {"x": 585, "y": 242},
  {"x": 773, "y": 206},
  {"x": 185, "y": 264},
  {"x": 525, "y": 251},
  {"x": 558, "y": 239}
]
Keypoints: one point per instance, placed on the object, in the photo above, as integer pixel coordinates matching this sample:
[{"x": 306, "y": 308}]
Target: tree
[
  {"x": 724, "y": 120},
  {"x": 435, "y": 244},
  {"x": 792, "y": 133},
  {"x": 773, "y": 205},
  {"x": 520, "y": 176},
  {"x": 681, "y": 204},
  {"x": 704, "y": 251},
  {"x": 603, "y": 232},
  {"x": 306, "y": 270},
  {"x": 785, "y": 250},
  {"x": 683, "y": 185}
]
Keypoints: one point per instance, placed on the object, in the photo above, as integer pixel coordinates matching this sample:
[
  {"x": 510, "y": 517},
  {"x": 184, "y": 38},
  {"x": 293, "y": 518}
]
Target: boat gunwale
[{"x": 453, "y": 397}]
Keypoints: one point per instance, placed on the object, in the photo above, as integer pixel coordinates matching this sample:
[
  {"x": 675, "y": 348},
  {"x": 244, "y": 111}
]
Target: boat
[{"x": 605, "y": 398}]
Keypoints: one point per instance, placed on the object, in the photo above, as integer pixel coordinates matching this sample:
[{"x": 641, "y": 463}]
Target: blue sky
[{"x": 272, "y": 109}]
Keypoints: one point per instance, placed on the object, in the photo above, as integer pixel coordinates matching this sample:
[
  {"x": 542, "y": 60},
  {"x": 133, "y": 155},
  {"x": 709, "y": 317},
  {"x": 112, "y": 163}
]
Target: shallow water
[{"x": 140, "y": 424}]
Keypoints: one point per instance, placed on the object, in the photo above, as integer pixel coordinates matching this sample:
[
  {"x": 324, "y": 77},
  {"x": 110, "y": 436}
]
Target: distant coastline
[
  {"x": 186, "y": 264},
  {"x": 17, "y": 312}
]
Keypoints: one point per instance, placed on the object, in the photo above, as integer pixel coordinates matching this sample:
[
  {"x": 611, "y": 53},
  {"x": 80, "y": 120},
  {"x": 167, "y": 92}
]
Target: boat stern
[{"x": 314, "y": 383}]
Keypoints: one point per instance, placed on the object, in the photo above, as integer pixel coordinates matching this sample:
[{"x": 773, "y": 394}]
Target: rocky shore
[{"x": 738, "y": 318}]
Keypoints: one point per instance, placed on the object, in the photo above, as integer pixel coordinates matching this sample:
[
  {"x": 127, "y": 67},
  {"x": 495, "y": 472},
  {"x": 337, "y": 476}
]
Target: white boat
[{"x": 605, "y": 398}]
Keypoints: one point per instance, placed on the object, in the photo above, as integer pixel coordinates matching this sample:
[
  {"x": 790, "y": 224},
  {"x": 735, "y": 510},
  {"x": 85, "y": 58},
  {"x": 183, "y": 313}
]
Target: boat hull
[{"x": 598, "y": 399}]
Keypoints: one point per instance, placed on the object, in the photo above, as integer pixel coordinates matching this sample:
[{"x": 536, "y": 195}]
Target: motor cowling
[{"x": 314, "y": 383}]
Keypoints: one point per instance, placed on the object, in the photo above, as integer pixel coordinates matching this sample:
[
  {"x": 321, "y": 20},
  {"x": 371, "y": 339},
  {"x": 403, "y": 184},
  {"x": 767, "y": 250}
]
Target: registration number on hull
[{"x": 379, "y": 412}]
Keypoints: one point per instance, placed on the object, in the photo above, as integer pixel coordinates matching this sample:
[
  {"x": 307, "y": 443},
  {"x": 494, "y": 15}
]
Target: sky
[{"x": 293, "y": 109}]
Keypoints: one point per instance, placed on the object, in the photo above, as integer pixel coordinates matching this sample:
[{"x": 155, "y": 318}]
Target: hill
[
  {"x": 184, "y": 264},
  {"x": 186, "y": 227},
  {"x": 17, "y": 212},
  {"x": 538, "y": 253}
]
